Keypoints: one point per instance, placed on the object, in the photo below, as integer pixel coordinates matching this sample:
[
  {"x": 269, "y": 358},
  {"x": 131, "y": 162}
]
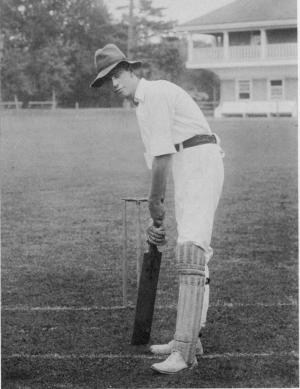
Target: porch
[{"x": 222, "y": 56}]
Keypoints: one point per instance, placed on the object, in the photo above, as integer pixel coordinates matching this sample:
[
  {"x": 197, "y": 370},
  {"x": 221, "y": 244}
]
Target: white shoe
[
  {"x": 173, "y": 364},
  {"x": 163, "y": 349}
]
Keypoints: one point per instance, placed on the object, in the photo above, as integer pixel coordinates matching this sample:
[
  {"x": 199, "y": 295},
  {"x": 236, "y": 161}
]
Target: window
[
  {"x": 244, "y": 89},
  {"x": 276, "y": 89}
]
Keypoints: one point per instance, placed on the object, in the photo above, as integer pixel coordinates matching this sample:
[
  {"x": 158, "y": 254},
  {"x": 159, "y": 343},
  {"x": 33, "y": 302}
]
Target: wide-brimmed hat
[{"x": 106, "y": 59}]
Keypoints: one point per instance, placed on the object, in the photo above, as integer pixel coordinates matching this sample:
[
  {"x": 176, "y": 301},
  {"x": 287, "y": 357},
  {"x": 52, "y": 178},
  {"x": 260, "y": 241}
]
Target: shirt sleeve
[{"x": 160, "y": 113}]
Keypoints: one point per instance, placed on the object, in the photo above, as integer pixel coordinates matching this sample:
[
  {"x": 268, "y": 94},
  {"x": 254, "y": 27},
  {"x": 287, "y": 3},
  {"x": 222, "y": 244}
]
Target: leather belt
[{"x": 196, "y": 140}]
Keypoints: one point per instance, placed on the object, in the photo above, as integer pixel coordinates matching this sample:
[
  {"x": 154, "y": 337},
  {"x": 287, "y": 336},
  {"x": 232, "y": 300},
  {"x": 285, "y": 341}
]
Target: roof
[{"x": 247, "y": 11}]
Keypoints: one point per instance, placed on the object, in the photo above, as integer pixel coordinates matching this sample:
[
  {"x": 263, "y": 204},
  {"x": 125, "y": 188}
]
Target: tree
[
  {"x": 34, "y": 53},
  {"x": 204, "y": 81},
  {"x": 149, "y": 24},
  {"x": 162, "y": 60},
  {"x": 151, "y": 43},
  {"x": 49, "y": 44}
]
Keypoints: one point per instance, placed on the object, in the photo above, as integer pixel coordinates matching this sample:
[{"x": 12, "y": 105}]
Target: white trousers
[{"x": 198, "y": 175}]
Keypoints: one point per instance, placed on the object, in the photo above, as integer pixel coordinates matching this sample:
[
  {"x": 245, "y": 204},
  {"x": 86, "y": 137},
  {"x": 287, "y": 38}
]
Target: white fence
[
  {"x": 14, "y": 104},
  {"x": 277, "y": 108},
  {"x": 244, "y": 53},
  {"x": 282, "y": 51},
  {"x": 42, "y": 104},
  {"x": 45, "y": 104}
]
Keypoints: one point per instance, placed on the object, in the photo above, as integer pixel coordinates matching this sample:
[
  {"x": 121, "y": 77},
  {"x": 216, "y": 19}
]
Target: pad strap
[{"x": 190, "y": 259}]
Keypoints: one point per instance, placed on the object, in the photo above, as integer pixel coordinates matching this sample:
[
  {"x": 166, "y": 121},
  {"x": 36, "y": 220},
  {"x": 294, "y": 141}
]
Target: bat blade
[{"x": 146, "y": 296}]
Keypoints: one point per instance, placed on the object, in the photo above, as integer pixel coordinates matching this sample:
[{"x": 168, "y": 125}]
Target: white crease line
[
  {"x": 64, "y": 308},
  {"x": 232, "y": 305},
  {"x": 24, "y": 308},
  {"x": 144, "y": 356}
]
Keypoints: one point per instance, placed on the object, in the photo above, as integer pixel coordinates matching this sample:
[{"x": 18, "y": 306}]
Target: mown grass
[{"x": 64, "y": 175}]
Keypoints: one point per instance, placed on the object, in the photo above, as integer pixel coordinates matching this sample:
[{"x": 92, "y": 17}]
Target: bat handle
[
  {"x": 151, "y": 244},
  {"x": 152, "y": 247}
]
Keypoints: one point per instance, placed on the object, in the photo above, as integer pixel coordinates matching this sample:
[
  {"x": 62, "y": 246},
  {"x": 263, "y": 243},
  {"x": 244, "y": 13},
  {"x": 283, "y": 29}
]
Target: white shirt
[{"x": 166, "y": 115}]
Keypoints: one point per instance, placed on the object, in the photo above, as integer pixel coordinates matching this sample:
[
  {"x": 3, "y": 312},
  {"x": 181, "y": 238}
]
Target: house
[{"x": 251, "y": 45}]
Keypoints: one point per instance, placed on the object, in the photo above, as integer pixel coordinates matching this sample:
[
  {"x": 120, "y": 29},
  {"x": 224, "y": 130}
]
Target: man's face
[{"x": 123, "y": 83}]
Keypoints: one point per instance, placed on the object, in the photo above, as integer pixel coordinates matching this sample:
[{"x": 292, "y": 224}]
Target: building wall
[
  {"x": 291, "y": 89},
  {"x": 259, "y": 90},
  {"x": 227, "y": 90}
]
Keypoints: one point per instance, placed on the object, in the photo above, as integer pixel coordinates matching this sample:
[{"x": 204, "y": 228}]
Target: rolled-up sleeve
[{"x": 160, "y": 114}]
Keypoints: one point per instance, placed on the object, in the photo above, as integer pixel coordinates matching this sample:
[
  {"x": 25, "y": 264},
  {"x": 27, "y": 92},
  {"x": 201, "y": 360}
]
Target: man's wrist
[
  {"x": 157, "y": 212},
  {"x": 155, "y": 199}
]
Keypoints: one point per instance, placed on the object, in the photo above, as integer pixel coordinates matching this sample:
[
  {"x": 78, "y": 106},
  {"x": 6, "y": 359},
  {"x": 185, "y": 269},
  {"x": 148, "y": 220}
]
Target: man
[{"x": 177, "y": 137}]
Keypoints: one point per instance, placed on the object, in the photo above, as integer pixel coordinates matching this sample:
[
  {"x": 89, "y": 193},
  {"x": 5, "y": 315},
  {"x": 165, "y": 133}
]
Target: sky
[{"x": 181, "y": 10}]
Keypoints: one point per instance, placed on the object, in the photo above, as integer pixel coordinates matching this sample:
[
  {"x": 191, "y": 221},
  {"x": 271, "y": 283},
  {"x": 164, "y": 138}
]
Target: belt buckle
[{"x": 180, "y": 147}]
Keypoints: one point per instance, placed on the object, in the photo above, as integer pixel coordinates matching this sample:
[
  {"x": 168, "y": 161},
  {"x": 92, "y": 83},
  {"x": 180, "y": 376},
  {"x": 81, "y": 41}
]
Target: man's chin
[{"x": 123, "y": 94}]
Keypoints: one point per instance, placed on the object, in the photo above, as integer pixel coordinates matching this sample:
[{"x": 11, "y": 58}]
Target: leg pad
[{"x": 191, "y": 267}]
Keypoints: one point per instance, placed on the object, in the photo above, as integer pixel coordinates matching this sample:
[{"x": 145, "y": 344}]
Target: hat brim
[{"x": 103, "y": 75}]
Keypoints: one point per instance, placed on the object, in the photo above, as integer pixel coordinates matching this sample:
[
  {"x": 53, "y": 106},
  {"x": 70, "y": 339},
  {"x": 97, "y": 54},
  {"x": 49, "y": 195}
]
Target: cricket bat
[{"x": 146, "y": 296}]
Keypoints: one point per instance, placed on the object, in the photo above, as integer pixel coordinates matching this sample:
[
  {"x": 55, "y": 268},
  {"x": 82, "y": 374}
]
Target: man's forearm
[{"x": 160, "y": 170}]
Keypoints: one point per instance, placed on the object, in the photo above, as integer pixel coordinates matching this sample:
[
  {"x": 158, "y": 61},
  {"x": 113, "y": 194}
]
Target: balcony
[{"x": 235, "y": 55}]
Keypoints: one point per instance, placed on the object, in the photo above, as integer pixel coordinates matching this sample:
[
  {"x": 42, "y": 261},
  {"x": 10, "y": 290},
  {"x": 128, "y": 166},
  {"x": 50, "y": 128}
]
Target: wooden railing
[
  {"x": 244, "y": 53},
  {"x": 11, "y": 104},
  {"x": 282, "y": 50},
  {"x": 42, "y": 104},
  {"x": 14, "y": 104}
]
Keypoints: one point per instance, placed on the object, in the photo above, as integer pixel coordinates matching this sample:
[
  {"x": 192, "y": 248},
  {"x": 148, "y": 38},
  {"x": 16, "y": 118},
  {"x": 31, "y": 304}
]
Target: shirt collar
[{"x": 140, "y": 91}]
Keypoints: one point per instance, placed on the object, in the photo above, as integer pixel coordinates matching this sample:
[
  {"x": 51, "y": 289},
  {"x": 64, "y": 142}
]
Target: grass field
[{"x": 63, "y": 177}]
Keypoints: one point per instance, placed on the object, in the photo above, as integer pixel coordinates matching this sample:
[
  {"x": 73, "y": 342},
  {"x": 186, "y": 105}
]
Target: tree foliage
[
  {"x": 148, "y": 23},
  {"x": 49, "y": 46},
  {"x": 162, "y": 56}
]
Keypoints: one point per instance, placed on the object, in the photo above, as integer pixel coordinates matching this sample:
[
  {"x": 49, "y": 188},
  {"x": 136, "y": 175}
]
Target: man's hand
[{"x": 156, "y": 235}]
